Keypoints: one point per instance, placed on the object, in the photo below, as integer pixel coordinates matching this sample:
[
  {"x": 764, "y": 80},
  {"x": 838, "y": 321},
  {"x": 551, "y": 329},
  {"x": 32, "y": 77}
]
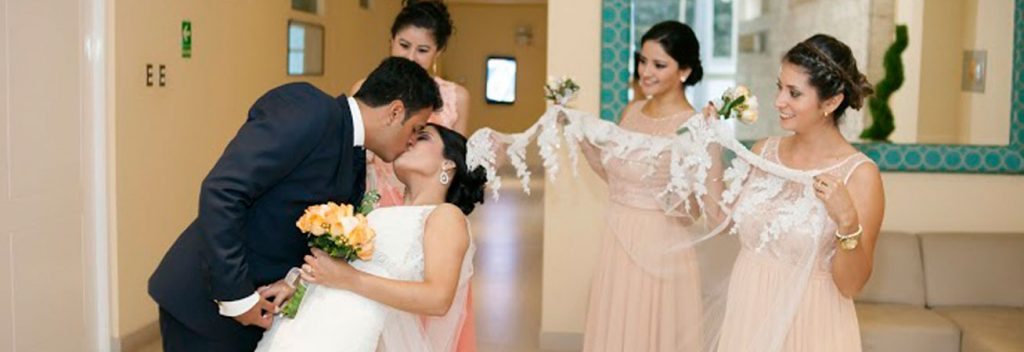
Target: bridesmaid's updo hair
[
  {"x": 466, "y": 188},
  {"x": 681, "y": 44},
  {"x": 832, "y": 70},
  {"x": 431, "y": 15}
]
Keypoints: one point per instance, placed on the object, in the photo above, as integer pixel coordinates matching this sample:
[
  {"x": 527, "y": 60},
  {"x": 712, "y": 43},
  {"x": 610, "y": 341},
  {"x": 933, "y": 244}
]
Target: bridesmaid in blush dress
[
  {"x": 803, "y": 257},
  {"x": 644, "y": 298}
]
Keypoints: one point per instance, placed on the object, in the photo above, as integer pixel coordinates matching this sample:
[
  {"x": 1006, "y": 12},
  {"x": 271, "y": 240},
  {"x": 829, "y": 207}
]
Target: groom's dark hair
[{"x": 400, "y": 79}]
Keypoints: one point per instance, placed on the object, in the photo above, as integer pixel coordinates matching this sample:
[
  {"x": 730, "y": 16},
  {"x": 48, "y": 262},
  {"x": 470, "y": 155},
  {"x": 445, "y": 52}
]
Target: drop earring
[{"x": 444, "y": 178}]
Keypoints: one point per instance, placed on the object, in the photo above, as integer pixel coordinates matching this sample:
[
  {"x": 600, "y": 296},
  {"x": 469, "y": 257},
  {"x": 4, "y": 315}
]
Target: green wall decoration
[{"x": 882, "y": 123}]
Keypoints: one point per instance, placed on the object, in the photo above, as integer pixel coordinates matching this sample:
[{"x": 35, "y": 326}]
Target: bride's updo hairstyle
[
  {"x": 832, "y": 70},
  {"x": 466, "y": 189}
]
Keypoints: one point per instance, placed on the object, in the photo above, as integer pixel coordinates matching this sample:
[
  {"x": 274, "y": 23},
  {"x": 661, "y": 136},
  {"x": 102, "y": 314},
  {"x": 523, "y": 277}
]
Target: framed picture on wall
[
  {"x": 501, "y": 80},
  {"x": 305, "y": 49}
]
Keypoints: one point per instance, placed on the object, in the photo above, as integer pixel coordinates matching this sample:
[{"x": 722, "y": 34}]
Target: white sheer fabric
[
  {"x": 762, "y": 240},
  {"x": 338, "y": 320}
]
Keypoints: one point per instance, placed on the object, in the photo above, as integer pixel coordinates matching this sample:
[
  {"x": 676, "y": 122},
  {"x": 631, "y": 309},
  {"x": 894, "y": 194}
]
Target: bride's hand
[{"x": 321, "y": 268}]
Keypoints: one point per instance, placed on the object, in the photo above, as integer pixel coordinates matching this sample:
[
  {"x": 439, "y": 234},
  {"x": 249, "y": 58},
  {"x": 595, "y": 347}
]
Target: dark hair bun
[
  {"x": 681, "y": 44},
  {"x": 832, "y": 70},
  {"x": 427, "y": 14},
  {"x": 469, "y": 191}
]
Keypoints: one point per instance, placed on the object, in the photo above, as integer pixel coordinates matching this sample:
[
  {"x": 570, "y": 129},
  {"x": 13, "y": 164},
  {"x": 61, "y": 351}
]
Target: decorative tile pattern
[{"x": 615, "y": 36}]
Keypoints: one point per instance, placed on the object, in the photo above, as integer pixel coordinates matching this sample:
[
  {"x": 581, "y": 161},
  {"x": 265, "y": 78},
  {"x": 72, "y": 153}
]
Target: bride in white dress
[{"x": 411, "y": 295}]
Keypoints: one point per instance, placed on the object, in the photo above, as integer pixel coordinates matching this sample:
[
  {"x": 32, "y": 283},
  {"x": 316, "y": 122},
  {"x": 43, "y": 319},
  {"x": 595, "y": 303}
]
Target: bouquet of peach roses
[{"x": 337, "y": 229}]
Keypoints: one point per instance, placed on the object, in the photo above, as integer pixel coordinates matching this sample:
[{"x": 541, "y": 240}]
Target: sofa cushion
[
  {"x": 973, "y": 269},
  {"x": 907, "y": 328},
  {"x": 898, "y": 275},
  {"x": 988, "y": 329}
]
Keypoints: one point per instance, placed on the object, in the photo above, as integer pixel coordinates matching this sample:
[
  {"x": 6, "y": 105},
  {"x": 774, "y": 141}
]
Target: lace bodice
[
  {"x": 634, "y": 182},
  {"x": 399, "y": 242},
  {"x": 784, "y": 218}
]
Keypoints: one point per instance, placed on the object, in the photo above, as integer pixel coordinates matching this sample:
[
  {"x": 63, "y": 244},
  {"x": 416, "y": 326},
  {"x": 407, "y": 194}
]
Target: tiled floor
[{"x": 508, "y": 235}]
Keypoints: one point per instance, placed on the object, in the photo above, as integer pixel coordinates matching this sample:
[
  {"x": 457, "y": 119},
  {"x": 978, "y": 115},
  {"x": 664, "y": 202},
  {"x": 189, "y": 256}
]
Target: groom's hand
[
  {"x": 279, "y": 292},
  {"x": 262, "y": 314}
]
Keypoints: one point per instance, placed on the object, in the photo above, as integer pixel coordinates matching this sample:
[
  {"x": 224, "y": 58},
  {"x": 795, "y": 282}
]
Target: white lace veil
[{"x": 736, "y": 193}]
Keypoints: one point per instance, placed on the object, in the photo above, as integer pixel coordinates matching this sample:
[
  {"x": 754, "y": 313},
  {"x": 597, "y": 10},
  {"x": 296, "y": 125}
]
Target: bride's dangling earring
[{"x": 444, "y": 178}]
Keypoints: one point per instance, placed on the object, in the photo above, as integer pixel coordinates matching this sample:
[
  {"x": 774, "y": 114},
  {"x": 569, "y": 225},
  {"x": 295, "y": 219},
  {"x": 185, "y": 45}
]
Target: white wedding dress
[{"x": 341, "y": 321}]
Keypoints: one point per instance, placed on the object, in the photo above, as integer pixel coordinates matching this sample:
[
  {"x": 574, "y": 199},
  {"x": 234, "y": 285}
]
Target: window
[
  {"x": 305, "y": 49},
  {"x": 501, "y": 80}
]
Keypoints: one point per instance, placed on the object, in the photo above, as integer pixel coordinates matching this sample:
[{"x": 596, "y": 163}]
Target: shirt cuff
[{"x": 238, "y": 307}]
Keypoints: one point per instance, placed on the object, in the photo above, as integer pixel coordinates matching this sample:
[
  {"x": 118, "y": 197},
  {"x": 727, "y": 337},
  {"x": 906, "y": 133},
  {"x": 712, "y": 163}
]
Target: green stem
[{"x": 291, "y": 308}]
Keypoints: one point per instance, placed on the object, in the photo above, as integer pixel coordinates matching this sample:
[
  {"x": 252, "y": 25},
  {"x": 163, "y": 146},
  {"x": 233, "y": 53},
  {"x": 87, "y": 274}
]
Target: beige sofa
[{"x": 945, "y": 292}]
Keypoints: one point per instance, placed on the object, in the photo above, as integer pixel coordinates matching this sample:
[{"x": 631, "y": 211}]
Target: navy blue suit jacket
[{"x": 294, "y": 150}]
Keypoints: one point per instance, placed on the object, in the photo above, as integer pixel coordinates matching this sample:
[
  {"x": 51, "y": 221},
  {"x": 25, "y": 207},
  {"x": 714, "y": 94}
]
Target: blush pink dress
[
  {"x": 770, "y": 298},
  {"x": 642, "y": 298}
]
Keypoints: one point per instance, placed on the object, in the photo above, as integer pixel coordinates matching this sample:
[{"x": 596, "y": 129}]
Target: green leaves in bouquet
[
  {"x": 728, "y": 105},
  {"x": 564, "y": 89},
  {"x": 327, "y": 244}
]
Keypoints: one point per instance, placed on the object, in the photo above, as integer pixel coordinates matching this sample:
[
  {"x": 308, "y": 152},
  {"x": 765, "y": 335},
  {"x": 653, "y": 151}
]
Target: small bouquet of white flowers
[
  {"x": 560, "y": 91},
  {"x": 740, "y": 104}
]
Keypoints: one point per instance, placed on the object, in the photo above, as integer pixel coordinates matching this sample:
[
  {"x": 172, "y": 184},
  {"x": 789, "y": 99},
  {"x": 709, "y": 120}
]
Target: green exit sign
[{"x": 186, "y": 39}]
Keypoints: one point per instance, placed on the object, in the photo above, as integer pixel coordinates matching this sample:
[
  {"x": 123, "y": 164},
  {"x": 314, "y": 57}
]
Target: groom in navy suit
[{"x": 298, "y": 147}]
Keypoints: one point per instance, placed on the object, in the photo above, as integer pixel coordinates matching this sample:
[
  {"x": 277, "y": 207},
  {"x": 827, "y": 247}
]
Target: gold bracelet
[{"x": 849, "y": 242}]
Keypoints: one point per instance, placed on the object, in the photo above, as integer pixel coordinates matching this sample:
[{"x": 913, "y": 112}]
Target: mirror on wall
[
  {"x": 305, "y": 49},
  {"x": 957, "y": 66}
]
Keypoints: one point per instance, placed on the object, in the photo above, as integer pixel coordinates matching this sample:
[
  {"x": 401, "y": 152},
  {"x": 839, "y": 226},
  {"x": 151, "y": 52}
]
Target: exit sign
[{"x": 186, "y": 39}]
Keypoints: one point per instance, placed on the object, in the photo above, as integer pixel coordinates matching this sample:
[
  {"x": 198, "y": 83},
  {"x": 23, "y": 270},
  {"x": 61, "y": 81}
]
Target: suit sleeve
[{"x": 283, "y": 127}]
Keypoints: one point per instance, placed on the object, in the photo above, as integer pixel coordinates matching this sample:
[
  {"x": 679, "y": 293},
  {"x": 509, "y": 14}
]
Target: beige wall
[
  {"x": 914, "y": 202},
  {"x": 984, "y": 117},
  {"x": 168, "y": 138},
  {"x": 572, "y": 207},
  {"x": 952, "y": 202},
  {"x": 45, "y": 245},
  {"x": 905, "y": 102},
  {"x": 941, "y": 39},
  {"x": 483, "y": 30}
]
